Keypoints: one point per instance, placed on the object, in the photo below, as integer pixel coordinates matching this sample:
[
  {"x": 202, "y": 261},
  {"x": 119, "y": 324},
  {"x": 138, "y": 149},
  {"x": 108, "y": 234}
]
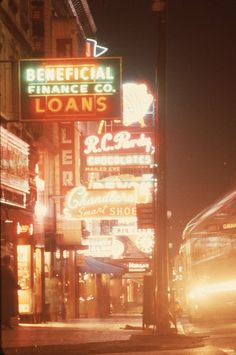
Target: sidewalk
[{"x": 90, "y": 336}]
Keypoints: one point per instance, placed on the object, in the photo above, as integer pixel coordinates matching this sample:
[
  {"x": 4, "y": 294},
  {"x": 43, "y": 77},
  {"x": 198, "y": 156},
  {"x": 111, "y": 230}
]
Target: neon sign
[
  {"x": 70, "y": 88},
  {"x": 121, "y": 141},
  {"x": 132, "y": 148},
  {"x": 137, "y": 101},
  {"x": 138, "y": 266},
  {"x": 229, "y": 225},
  {"x": 24, "y": 228},
  {"x": 93, "y": 49},
  {"x": 120, "y": 160},
  {"x": 67, "y": 157},
  {"x": 101, "y": 204},
  {"x": 123, "y": 181}
]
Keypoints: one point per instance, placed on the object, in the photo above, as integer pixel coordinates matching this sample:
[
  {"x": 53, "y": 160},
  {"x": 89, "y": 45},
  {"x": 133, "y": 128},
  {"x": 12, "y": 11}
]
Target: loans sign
[{"x": 69, "y": 89}]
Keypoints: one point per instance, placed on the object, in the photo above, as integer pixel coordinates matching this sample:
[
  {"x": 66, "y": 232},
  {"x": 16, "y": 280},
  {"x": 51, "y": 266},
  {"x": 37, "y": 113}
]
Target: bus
[{"x": 208, "y": 255}]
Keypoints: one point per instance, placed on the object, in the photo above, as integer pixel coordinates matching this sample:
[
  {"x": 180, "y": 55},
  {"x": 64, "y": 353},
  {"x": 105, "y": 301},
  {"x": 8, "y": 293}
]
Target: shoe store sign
[
  {"x": 70, "y": 89},
  {"x": 82, "y": 203}
]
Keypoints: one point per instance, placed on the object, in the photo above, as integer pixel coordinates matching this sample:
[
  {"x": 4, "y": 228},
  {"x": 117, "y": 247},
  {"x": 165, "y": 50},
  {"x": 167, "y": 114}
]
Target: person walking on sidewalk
[{"x": 9, "y": 289}]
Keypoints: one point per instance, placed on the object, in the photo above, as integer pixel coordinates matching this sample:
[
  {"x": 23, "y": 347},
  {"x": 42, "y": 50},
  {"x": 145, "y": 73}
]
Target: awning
[{"x": 94, "y": 266}]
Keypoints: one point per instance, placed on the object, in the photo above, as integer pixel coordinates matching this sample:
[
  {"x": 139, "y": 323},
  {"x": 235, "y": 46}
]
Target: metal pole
[{"x": 162, "y": 316}]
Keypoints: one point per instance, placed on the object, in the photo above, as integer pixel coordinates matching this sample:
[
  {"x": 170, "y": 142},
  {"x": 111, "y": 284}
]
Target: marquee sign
[{"x": 69, "y": 89}]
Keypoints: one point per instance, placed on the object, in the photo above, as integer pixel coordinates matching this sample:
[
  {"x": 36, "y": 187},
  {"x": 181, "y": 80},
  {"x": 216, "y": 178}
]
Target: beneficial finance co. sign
[{"x": 71, "y": 89}]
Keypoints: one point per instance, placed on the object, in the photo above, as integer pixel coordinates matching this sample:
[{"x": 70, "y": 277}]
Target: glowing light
[
  {"x": 117, "y": 249},
  {"x": 122, "y": 181},
  {"x": 40, "y": 210},
  {"x": 229, "y": 225},
  {"x": 145, "y": 242},
  {"x": 136, "y": 103},
  {"x": 138, "y": 267},
  {"x": 24, "y": 308},
  {"x": 73, "y": 86},
  {"x": 31, "y": 229},
  {"x": 65, "y": 254},
  {"x": 18, "y": 228},
  {"x": 100, "y": 127},
  {"x": 205, "y": 290},
  {"x": 119, "y": 160},
  {"x": 58, "y": 254},
  {"x": 120, "y": 141},
  {"x": 143, "y": 193},
  {"x": 107, "y": 204},
  {"x": 24, "y": 228},
  {"x": 66, "y": 73}
]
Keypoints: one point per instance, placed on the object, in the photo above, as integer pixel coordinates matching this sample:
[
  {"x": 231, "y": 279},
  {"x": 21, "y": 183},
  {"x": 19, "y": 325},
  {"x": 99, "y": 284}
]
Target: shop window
[{"x": 24, "y": 278}]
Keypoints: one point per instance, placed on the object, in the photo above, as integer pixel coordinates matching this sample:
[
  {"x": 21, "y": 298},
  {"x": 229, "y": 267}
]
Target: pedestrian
[{"x": 9, "y": 289}]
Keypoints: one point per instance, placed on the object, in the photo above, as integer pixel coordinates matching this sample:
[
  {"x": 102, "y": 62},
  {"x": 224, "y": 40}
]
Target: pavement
[{"x": 113, "y": 335}]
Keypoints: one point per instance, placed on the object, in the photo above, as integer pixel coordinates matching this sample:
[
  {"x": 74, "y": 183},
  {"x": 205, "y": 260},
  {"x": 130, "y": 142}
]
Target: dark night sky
[{"x": 201, "y": 90}]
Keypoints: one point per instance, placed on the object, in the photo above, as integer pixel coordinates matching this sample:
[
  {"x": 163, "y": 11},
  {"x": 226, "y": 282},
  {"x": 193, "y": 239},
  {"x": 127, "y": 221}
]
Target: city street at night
[
  {"x": 118, "y": 177},
  {"x": 119, "y": 335}
]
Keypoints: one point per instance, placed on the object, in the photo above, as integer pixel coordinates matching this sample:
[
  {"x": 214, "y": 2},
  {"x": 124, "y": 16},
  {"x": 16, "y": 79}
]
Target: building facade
[{"x": 30, "y": 152}]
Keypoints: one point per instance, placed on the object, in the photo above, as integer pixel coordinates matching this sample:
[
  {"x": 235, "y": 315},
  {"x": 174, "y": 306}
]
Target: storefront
[
  {"x": 133, "y": 283},
  {"x": 93, "y": 292},
  {"x": 27, "y": 258},
  {"x": 29, "y": 263},
  {"x": 17, "y": 223}
]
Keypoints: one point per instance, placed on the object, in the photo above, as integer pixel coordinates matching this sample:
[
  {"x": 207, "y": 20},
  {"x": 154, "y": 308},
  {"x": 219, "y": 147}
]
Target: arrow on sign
[{"x": 93, "y": 49}]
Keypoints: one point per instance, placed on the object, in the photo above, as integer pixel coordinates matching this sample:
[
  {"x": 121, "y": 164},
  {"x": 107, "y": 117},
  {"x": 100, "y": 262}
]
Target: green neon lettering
[
  {"x": 83, "y": 74},
  {"x": 50, "y": 74},
  {"x": 30, "y": 74},
  {"x": 31, "y": 89},
  {"x": 40, "y": 74},
  {"x": 43, "y": 90}
]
